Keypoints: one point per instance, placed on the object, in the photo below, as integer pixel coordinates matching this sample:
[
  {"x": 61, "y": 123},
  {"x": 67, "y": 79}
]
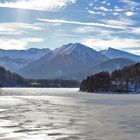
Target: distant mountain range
[
  {"x": 68, "y": 59},
  {"x": 16, "y": 59},
  {"x": 71, "y": 61}
]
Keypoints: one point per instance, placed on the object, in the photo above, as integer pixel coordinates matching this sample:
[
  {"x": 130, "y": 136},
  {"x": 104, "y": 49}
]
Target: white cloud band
[
  {"x": 18, "y": 44},
  {"x": 112, "y": 42},
  {"x": 16, "y": 28},
  {"x": 81, "y": 23},
  {"x": 42, "y": 5}
]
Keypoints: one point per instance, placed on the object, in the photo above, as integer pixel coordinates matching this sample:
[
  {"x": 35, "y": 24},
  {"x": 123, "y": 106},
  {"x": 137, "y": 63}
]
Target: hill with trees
[
  {"x": 126, "y": 79},
  {"x": 9, "y": 79}
]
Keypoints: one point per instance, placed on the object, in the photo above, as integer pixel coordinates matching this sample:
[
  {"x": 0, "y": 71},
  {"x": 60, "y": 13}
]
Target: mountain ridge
[
  {"x": 15, "y": 59},
  {"x": 116, "y": 53},
  {"x": 64, "y": 60},
  {"x": 109, "y": 65}
]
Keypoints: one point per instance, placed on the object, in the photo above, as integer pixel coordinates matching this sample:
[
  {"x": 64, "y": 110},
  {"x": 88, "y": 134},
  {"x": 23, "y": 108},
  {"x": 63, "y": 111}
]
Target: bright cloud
[
  {"x": 81, "y": 23},
  {"x": 124, "y": 7},
  {"x": 91, "y": 12},
  {"x": 102, "y": 8},
  {"x": 135, "y": 30},
  {"x": 119, "y": 22},
  {"x": 129, "y": 14},
  {"x": 16, "y": 28},
  {"x": 112, "y": 42},
  {"x": 43, "y": 5},
  {"x": 131, "y": 3},
  {"x": 90, "y": 29},
  {"x": 18, "y": 44}
]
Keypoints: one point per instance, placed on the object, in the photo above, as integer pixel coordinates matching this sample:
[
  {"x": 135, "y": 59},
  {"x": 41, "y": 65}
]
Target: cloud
[
  {"x": 135, "y": 30},
  {"x": 33, "y": 40},
  {"x": 95, "y": 30},
  {"x": 92, "y": 12},
  {"x": 129, "y": 14},
  {"x": 117, "y": 9},
  {"x": 96, "y": 13},
  {"x": 99, "y": 10},
  {"x": 115, "y": 13},
  {"x": 131, "y": 7},
  {"x": 18, "y": 44},
  {"x": 131, "y": 3},
  {"x": 85, "y": 29},
  {"x": 119, "y": 22},
  {"x": 17, "y": 28},
  {"x": 105, "y": 33},
  {"x": 121, "y": 8},
  {"x": 103, "y": 9},
  {"x": 81, "y": 23},
  {"x": 66, "y": 35},
  {"x": 119, "y": 43},
  {"x": 41, "y": 5}
]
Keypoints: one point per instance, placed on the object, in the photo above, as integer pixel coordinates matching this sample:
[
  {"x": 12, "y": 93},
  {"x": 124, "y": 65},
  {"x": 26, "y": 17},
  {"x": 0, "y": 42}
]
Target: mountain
[
  {"x": 14, "y": 60},
  {"x": 63, "y": 61},
  {"x": 71, "y": 61},
  {"x": 32, "y": 53},
  {"x": 114, "y": 53},
  {"x": 13, "y": 64},
  {"x": 109, "y": 65}
]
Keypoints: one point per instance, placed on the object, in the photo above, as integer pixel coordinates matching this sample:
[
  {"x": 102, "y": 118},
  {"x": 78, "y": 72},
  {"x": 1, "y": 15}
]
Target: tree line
[
  {"x": 123, "y": 80},
  {"x": 53, "y": 83},
  {"x": 9, "y": 79}
]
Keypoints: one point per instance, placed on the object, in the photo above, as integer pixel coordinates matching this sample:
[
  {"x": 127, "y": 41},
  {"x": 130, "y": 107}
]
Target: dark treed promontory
[
  {"x": 123, "y": 80},
  {"x": 9, "y": 79}
]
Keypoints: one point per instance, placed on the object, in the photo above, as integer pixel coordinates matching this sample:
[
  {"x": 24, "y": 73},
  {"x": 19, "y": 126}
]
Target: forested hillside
[
  {"x": 124, "y": 80},
  {"x": 8, "y": 79}
]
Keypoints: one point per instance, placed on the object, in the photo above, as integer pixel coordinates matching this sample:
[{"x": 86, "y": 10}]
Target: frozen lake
[{"x": 66, "y": 114}]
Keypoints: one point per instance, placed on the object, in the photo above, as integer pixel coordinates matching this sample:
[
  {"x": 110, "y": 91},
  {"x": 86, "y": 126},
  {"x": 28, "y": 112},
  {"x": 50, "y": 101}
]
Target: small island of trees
[{"x": 124, "y": 80}]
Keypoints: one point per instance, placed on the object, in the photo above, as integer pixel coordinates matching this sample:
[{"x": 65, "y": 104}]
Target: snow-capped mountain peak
[
  {"x": 77, "y": 49},
  {"x": 69, "y": 48},
  {"x": 69, "y": 58}
]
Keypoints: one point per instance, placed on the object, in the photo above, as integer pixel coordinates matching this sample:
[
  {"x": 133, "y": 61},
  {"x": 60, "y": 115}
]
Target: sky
[{"x": 52, "y": 23}]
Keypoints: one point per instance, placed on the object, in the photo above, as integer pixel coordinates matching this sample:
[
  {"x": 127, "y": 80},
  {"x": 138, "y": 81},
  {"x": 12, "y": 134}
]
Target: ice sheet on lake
[{"x": 66, "y": 114}]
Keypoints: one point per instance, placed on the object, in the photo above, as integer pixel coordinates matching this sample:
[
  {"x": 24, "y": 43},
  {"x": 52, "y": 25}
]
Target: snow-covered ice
[{"x": 67, "y": 114}]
